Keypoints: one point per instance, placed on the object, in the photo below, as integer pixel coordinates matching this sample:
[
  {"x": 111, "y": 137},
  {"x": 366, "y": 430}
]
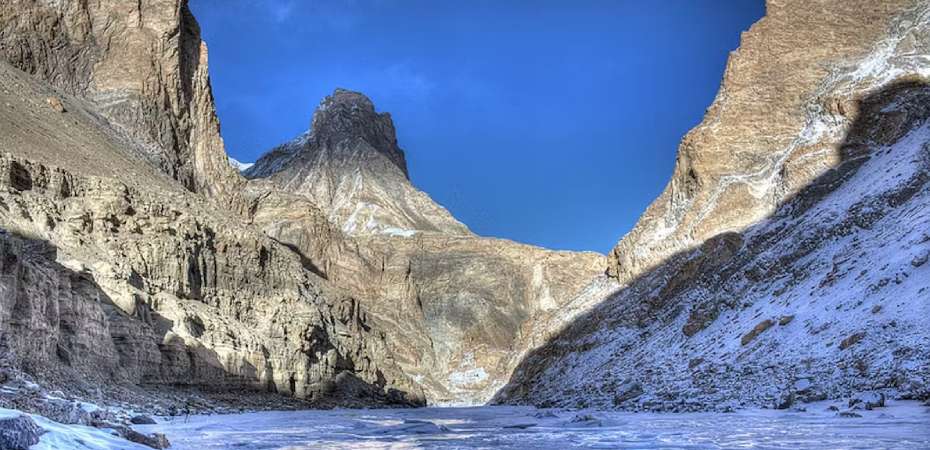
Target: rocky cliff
[
  {"x": 144, "y": 67},
  {"x": 119, "y": 268},
  {"x": 785, "y": 260},
  {"x": 788, "y": 96}
]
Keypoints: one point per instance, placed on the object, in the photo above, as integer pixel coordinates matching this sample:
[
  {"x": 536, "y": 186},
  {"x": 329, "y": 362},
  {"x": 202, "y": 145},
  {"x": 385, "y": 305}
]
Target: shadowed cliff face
[{"x": 786, "y": 260}]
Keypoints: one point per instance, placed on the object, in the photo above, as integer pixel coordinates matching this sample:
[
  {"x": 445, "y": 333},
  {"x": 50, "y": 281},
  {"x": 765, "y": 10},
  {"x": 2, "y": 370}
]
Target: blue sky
[{"x": 554, "y": 123}]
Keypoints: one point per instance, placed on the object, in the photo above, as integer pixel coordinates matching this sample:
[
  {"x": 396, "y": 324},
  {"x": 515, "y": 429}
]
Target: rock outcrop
[
  {"x": 788, "y": 95},
  {"x": 787, "y": 249}
]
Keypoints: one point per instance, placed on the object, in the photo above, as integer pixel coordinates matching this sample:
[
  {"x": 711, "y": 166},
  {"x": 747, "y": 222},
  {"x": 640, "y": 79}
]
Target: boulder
[
  {"x": 628, "y": 391},
  {"x": 853, "y": 339},
  {"x": 586, "y": 420},
  {"x": 868, "y": 400},
  {"x": 785, "y": 400},
  {"x": 545, "y": 414},
  {"x": 19, "y": 433},
  {"x": 154, "y": 440},
  {"x": 142, "y": 420},
  {"x": 55, "y": 104},
  {"x": 756, "y": 331},
  {"x": 416, "y": 426}
]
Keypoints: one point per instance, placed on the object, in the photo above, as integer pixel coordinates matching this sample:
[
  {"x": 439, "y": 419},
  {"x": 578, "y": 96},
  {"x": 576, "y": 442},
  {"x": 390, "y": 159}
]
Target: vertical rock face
[
  {"x": 785, "y": 259},
  {"x": 144, "y": 67},
  {"x": 350, "y": 165}
]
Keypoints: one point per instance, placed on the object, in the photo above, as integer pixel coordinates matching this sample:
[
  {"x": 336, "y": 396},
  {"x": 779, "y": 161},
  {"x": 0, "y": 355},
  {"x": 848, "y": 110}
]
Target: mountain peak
[
  {"x": 348, "y": 98},
  {"x": 350, "y": 165},
  {"x": 347, "y": 115}
]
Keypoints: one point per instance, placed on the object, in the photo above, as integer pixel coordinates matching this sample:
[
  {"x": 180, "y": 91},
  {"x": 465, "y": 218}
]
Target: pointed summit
[{"x": 348, "y": 115}]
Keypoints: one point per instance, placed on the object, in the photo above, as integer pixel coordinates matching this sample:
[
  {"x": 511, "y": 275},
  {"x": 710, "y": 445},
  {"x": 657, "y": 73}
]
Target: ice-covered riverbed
[{"x": 904, "y": 425}]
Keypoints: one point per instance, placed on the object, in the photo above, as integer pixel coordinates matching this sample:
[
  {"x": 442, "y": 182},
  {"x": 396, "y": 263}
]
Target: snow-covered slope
[
  {"x": 829, "y": 296},
  {"x": 787, "y": 257}
]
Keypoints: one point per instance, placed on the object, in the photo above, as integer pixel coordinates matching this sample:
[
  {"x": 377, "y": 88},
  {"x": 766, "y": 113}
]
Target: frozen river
[{"x": 904, "y": 425}]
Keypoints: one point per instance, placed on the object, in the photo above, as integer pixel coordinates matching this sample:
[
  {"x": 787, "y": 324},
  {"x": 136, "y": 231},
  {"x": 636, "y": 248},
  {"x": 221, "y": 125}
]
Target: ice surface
[{"x": 900, "y": 425}]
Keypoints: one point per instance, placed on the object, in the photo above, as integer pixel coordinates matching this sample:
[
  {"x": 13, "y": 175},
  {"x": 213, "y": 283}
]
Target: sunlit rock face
[
  {"x": 459, "y": 310},
  {"x": 134, "y": 252},
  {"x": 142, "y": 64},
  {"x": 786, "y": 258}
]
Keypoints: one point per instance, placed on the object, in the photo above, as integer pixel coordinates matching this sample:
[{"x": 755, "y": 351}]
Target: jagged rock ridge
[{"x": 144, "y": 67}]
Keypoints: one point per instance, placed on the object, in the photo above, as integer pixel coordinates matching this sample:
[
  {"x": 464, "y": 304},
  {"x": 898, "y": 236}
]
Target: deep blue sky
[{"x": 548, "y": 122}]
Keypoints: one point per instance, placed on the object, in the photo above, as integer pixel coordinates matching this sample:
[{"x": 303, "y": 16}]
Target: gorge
[{"x": 143, "y": 274}]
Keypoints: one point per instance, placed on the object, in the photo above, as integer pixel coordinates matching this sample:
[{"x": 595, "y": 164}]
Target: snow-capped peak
[{"x": 240, "y": 166}]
